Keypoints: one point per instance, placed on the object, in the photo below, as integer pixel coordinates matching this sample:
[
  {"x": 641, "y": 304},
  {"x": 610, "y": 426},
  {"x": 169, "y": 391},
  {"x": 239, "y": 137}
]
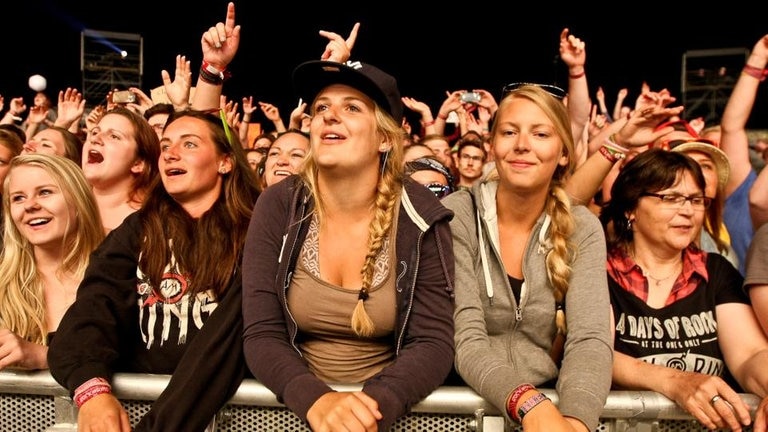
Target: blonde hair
[
  {"x": 388, "y": 191},
  {"x": 22, "y": 305},
  {"x": 557, "y": 206}
]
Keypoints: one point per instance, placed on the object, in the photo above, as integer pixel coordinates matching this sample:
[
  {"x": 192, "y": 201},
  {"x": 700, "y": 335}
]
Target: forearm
[
  {"x": 758, "y": 200},
  {"x": 207, "y": 96},
  {"x": 31, "y": 129},
  {"x": 753, "y": 375},
  {"x": 440, "y": 121},
  {"x": 279, "y": 125},
  {"x": 242, "y": 131},
  {"x": 633, "y": 374},
  {"x": 742, "y": 98},
  {"x": 579, "y": 103},
  {"x": 586, "y": 181}
]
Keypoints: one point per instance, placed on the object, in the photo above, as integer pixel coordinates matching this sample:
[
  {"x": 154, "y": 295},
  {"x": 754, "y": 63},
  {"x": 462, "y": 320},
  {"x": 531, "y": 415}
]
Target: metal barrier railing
[{"x": 34, "y": 401}]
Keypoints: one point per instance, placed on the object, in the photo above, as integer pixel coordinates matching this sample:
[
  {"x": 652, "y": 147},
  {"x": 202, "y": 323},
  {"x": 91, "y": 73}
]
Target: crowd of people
[{"x": 540, "y": 241}]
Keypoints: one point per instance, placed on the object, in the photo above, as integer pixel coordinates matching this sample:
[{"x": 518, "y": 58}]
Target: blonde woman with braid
[
  {"x": 348, "y": 266},
  {"x": 532, "y": 305},
  {"x": 51, "y": 224}
]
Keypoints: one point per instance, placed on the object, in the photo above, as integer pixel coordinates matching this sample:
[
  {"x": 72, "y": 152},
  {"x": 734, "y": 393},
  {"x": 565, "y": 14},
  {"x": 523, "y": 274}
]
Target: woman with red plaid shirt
[{"x": 683, "y": 326}]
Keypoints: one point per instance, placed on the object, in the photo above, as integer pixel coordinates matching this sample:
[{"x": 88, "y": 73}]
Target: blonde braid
[
  {"x": 559, "y": 258},
  {"x": 386, "y": 198}
]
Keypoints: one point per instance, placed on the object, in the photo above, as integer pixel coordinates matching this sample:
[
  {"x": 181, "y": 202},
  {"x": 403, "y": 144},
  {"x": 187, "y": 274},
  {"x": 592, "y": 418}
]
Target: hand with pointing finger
[{"x": 338, "y": 49}]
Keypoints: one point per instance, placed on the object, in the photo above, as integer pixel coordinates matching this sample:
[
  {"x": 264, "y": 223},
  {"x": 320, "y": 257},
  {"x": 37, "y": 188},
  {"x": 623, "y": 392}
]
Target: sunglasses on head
[{"x": 553, "y": 90}]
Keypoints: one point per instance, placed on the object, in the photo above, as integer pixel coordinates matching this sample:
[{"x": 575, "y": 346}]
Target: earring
[
  {"x": 222, "y": 170},
  {"x": 384, "y": 158},
  {"x": 629, "y": 224}
]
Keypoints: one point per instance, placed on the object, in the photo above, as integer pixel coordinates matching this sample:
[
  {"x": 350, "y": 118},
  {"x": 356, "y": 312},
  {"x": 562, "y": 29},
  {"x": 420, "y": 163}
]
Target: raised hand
[
  {"x": 299, "y": 117},
  {"x": 572, "y": 50},
  {"x": 419, "y": 107},
  {"x": 94, "y": 116},
  {"x": 178, "y": 89},
  {"x": 17, "y": 106},
  {"x": 70, "y": 108},
  {"x": 339, "y": 49},
  {"x": 270, "y": 111},
  {"x": 143, "y": 101},
  {"x": 220, "y": 42}
]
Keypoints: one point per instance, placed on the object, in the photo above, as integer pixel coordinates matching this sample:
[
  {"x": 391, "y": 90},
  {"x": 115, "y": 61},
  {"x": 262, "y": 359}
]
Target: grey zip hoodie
[{"x": 501, "y": 344}]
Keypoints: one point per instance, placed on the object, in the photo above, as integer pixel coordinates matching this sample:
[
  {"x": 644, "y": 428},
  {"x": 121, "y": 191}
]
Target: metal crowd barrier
[{"x": 33, "y": 401}]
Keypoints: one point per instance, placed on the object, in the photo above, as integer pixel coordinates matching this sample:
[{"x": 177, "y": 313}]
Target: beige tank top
[{"x": 323, "y": 313}]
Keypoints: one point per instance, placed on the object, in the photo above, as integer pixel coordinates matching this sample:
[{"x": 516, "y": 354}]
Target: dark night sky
[{"x": 429, "y": 47}]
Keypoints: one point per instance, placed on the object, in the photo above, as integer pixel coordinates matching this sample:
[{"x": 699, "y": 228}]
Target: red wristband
[
  {"x": 429, "y": 123},
  {"x": 442, "y": 117},
  {"x": 514, "y": 398},
  {"x": 212, "y": 75},
  {"x": 755, "y": 72},
  {"x": 89, "y": 389},
  {"x": 612, "y": 155},
  {"x": 578, "y": 75}
]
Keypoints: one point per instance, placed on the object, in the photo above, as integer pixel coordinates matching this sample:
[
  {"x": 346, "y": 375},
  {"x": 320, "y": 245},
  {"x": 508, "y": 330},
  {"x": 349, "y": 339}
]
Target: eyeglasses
[
  {"x": 440, "y": 190},
  {"x": 553, "y": 90},
  {"x": 677, "y": 201},
  {"x": 468, "y": 157},
  {"x": 672, "y": 143}
]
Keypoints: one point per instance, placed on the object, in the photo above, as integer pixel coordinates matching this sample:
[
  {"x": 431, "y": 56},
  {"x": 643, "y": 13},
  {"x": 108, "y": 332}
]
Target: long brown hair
[{"x": 209, "y": 247}]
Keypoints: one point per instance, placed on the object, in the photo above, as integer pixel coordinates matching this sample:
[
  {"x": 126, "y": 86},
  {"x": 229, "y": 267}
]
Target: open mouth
[
  {"x": 95, "y": 157},
  {"x": 38, "y": 221},
  {"x": 174, "y": 172}
]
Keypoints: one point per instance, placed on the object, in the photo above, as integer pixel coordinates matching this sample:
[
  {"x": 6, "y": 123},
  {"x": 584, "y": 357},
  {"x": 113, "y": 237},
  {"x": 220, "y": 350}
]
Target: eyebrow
[{"x": 37, "y": 188}]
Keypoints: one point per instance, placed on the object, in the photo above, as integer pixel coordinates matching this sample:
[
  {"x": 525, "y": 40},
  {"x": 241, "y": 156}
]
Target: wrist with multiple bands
[
  {"x": 612, "y": 154},
  {"x": 211, "y": 75},
  {"x": 89, "y": 389},
  {"x": 514, "y": 398}
]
